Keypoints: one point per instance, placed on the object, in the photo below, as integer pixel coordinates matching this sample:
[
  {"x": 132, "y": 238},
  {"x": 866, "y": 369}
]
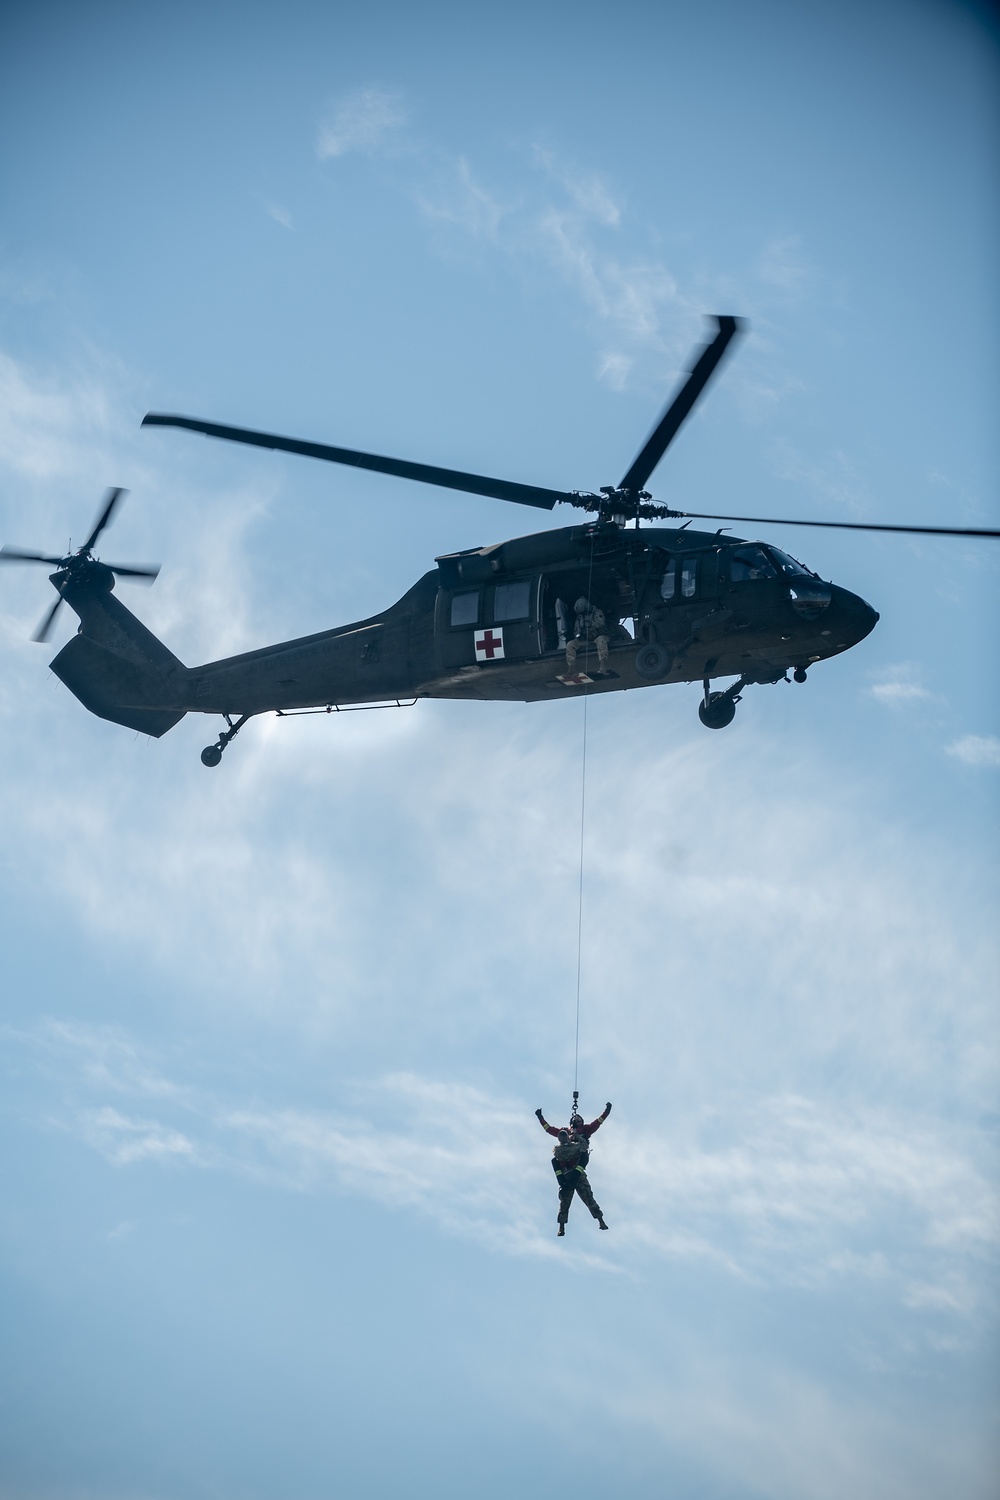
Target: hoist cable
[
  {"x": 583, "y": 825},
  {"x": 579, "y": 917}
]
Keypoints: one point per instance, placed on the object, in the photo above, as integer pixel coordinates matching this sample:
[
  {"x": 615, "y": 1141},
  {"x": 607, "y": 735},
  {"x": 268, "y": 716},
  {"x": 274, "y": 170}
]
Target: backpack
[{"x": 569, "y": 1154}]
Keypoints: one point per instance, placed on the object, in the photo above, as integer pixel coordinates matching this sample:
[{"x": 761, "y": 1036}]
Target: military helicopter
[{"x": 493, "y": 622}]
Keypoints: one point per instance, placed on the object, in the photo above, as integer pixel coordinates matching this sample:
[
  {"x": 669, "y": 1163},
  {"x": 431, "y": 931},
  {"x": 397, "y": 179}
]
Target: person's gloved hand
[
  {"x": 538, "y": 1113},
  {"x": 608, "y": 1105}
]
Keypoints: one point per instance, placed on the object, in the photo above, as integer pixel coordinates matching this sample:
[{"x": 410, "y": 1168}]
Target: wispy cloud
[
  {"x": 280, "y": 215},
  {"x": 363, "y": 121},
  {"x": 587, "y": 190},
  {"x": 573, "y": 221},
  {"x": 976, "y": 750},
  {"x": 783, "y": 266},
  {"x": 451, "y": 194},
  {"x": 123, "y": 1140},
  {"x": 794, "y": 1195},
  {"x": 899, "y": 685}
]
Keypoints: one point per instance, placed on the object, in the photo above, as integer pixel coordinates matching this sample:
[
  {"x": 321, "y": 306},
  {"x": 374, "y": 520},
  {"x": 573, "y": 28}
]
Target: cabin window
[
  {"x": 512, "y": 601},
  {"x": 465, "y": 608},
  {"x": 750, "y": 562},
  {"x": 689, "y": 577},
  {"x": 668, "y": 584}
]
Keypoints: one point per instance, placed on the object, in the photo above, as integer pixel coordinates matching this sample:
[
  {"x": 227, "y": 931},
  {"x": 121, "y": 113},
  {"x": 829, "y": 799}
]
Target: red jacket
[{"x": 586, "y": 1130}]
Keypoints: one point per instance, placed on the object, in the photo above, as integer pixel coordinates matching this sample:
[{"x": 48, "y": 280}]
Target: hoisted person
[
  {"x": 569, "y": 1162},
  {"x": 591, "y": 627}
]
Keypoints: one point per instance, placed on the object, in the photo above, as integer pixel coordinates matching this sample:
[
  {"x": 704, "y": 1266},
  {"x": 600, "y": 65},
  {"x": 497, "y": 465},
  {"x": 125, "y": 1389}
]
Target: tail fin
[{"x": 116, "y": 667}]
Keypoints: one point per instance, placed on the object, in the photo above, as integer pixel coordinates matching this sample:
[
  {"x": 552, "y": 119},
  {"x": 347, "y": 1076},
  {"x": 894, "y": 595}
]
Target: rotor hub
[{"x": 613, "y": 503}]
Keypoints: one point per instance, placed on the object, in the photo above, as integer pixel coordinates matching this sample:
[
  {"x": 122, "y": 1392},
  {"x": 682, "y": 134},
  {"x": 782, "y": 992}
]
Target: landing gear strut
[
  {"x": 212, "y": 754},
  {"x": 716, "y": 710}
]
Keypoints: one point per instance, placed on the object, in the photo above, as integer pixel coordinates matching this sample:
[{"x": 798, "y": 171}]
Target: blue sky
[{"x": 277, "y": 1219}]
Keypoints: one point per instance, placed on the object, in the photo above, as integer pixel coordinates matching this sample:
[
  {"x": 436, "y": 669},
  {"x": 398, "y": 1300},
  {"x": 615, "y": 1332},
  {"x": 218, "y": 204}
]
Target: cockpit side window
[
  {"x": 683, "y": 570},
  {"x": 750, "y": 562}
]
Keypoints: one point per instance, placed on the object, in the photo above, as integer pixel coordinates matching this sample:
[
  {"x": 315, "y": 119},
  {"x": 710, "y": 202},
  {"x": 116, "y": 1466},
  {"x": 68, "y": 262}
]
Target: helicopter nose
[{"x": 857, "y": 614}]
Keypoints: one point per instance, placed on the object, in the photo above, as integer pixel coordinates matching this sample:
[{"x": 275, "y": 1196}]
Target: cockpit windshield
[
  {"x": 789, "y": 566},
  {"x": 750, "y": 562}
]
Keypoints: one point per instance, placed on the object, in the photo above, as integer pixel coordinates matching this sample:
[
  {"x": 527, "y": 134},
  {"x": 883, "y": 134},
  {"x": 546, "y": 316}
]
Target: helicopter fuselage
[{"x": 491, "y": 623}]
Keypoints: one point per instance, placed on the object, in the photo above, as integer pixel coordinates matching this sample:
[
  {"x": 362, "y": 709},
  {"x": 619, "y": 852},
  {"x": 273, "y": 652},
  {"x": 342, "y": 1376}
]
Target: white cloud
[
  {"x": 976, "y": 750},
  {"x": 124, "y": 1140},
  {"x": 452, "y": 195},
  {"x": 362, "y": 121},
  {"x": 898, "y": 685},
  {"x": 785, "y": 1189},
  {"x": 280, "y": 215},
  {"x": 587, "y": 190}
]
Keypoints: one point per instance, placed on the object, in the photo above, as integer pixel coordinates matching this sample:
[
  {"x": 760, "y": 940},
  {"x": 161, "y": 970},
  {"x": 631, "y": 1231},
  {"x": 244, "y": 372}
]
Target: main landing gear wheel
[
  {"x": 652, "y": 661},
  {"x": 718, "y": 711},
  {"x": 211, "y": 755}
]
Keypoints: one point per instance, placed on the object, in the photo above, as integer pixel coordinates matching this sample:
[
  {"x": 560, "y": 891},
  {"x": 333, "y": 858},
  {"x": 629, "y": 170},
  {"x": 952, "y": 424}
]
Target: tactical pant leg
[
  {"x": 602, "y": 653},
  {"x": 572, "y": 646},
  {"x": 566, "y": 1191},
  {"x": 585, "y": 1191}
]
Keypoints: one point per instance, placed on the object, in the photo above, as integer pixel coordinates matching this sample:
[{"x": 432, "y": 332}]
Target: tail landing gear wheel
[
  {"x": 212, "y": 754},
  {"x": 652, "y": 661},
  {"x": 799, "y": 674},
  {"x": 718, "y": 711}
]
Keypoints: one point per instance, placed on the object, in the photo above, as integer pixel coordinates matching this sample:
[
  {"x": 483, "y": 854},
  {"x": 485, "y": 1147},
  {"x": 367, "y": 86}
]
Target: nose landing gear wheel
[{"x": 718, "y": 711}]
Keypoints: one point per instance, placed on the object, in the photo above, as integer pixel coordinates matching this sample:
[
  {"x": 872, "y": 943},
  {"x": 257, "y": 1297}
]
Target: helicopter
[{"x": 493, "y": 623}]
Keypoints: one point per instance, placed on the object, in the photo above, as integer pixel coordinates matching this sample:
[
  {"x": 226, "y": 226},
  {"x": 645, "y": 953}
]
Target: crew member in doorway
[
  {"x": 590, "y": 626},
  {"x": 569, "y": 1162}
]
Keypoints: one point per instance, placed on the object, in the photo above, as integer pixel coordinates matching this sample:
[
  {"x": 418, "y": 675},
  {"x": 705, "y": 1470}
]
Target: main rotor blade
[
  {"x": 111, "y": 501},
  {"x": 45, "y": 628},
  {"x": 149, "y": 573},
  {"x": 666, "y": 429},
  {"x": 846, "y": 525},
  {"x": 451, "y": 479},
  {"x": 18, "y": 554}
]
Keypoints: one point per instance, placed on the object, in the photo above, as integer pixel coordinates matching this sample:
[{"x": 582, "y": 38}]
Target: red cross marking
[{"x": 489, "y": 644}]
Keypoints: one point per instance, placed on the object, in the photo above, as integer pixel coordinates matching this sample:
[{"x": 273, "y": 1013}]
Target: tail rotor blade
[
  {"x": 111, "y": 502},
  {"x": 18, "y": 554},
  {"x": 45, "y": 628},
  {"x": 149, "y": 573}
]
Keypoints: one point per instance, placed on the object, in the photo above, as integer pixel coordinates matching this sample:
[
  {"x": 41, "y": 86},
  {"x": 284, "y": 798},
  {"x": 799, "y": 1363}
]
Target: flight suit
[
  {"x": 567, "y": 1163},
  {"x": 590, "y": 626}
]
